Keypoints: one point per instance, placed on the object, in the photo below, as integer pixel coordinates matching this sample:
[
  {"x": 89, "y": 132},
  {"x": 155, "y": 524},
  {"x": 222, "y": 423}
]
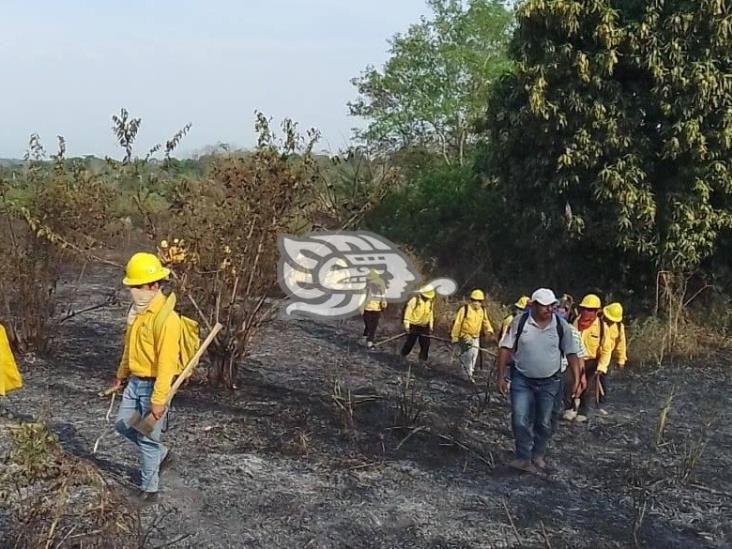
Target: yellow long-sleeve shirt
[
  {"x": 471, "y": 324},
  {"x": 592, "y": 340},
  {"x": 145, "y": 357},
  {"x": 506, "y": 325},
  {"x": 419, "y": 312},
  {"x": 10, "y": 378},
  {"x": 375, "y": 300},
  {"x": 614, "y": 345}
]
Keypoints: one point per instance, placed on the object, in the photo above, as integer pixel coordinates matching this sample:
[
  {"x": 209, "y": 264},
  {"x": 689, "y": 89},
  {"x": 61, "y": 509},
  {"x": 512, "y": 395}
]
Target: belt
[{"x": 144, "y": 378}]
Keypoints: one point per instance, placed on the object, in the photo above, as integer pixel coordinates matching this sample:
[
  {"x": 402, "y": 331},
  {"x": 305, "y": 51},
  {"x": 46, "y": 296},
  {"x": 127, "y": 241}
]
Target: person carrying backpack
[
  {"x": 615, "y": 346},
  {"x": 471, "y": 320},
  {"x": 592, "y": 329},
  {"x": 536, "y": 342},
  {"x": 374, "y": 304},
  {"x": 518, "y": 309},
  {"x": 150, "y": 360},
  {"x": 418, "y": 321}
]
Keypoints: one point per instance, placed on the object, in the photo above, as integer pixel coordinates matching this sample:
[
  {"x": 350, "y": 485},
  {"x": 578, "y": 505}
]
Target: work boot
[
  {"x": 523, "y": 465},
  {"x": 540, "y": 463},
  {"x": 603, "y": 411},
  {"x": 369, "y": 345},
  {"x": 146, "y": 497},
  {"x": 569, "y": 415},
  {"x": 581, "y": 418}
]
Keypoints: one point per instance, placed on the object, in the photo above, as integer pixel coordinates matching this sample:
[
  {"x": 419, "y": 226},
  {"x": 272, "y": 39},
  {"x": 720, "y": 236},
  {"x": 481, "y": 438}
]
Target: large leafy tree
[
  {"x": 433, "y": 88},
  {"x": 614, "y": 132}
]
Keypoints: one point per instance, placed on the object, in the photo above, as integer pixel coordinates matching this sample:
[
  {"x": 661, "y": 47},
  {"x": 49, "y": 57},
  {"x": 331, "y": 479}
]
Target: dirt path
[{"x": 278, "y": 464}]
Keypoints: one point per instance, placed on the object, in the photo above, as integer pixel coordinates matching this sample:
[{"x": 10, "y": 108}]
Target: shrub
[{"x": 228, "y": 226}]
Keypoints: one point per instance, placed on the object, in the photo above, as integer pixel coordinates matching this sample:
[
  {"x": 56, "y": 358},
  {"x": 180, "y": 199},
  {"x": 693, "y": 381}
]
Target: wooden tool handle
[{"x": 193, "y": 362}]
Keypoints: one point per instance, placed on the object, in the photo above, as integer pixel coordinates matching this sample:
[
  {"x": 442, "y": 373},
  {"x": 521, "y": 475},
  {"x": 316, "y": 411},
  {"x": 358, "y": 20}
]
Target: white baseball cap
[{"x": 544, "y": 296}]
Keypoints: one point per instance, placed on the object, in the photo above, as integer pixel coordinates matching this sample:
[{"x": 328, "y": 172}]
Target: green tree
[
  {"x": 614, "y": 132},
  {"x": 434, "y": 87}
]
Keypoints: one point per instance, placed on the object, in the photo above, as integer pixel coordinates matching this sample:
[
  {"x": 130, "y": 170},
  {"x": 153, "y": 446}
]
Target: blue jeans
[
  {"x": 532, "y": 408},
  {"x": 136, "y": 398}
]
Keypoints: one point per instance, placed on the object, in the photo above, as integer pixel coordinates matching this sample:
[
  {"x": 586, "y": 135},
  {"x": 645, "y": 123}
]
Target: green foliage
[
  {"x": 433, "y": 88},
  {"x": 36, "y": 451},
  {"x": 614, "y": 132},
  {"x": 442, "y": 211}
]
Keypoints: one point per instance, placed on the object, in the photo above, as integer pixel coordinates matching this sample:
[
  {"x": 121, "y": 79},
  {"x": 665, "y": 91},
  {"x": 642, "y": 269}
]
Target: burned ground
[{"x": 327, "y": 445}]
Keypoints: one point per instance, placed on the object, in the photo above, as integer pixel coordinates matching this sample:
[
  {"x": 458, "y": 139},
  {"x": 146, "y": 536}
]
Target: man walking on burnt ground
[
  {"x": 418, "y": 321},
  {"x": 148, "y": 364},
  {"x": 374, "y": 305},
  {"x": 536, "y": 342}
]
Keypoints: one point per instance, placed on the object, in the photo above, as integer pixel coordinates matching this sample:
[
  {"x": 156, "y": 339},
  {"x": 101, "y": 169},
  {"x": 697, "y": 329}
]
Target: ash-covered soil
[{"x": 286, "y": 461}]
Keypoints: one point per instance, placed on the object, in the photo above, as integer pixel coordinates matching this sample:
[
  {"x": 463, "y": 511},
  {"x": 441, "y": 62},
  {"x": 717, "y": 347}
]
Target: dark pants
[
  {"x": 415, "y": 333},
  {"x": 603, "y": 382},
  {"x": 559, "y": 408},
  {"x": 589, "y": 395},
  {"x": 532, "y": 410},
  {"x": 370, "y": 324}
]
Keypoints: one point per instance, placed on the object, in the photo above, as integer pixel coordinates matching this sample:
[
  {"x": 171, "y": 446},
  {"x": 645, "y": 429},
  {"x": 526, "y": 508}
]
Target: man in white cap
[{"x": 536, "y": 342}]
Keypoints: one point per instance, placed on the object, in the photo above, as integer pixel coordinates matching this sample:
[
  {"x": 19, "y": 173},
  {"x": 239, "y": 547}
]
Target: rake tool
[
  {"x": 388, "y": 339},
  {"x": 146, "y": 425}
]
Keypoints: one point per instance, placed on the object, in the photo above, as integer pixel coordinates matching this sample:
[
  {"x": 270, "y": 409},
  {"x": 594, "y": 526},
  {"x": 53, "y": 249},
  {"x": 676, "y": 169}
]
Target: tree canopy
[
  {"x": 434, "y": 87},
  {"x": 615, "y": 128}
]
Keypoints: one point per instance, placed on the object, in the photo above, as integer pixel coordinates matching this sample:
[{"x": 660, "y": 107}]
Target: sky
[{"x": 68, "y": 66}]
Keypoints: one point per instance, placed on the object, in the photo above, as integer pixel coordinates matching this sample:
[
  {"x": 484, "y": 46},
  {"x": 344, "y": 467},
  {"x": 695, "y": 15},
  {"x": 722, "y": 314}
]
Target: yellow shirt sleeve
[
  {"x": 455, "y": 334},
  {"x": 606, "y": 351},
  {"x": 408, "y": 312},
  {"x": 168, "y": 350},
  {"x": 487, "y": 326},
  {"x": 123, "y": 370},
  {"x": 621, "y": 348}
]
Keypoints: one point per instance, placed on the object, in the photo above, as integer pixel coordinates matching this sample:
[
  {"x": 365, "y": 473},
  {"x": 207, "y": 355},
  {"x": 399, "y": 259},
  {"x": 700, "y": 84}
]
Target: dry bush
[
  {"x": 349, "y": 188},
  {"x": 674, "y": 331},
  {"x": 58, "y": 500},
  {"x": 55, "y": 213},
  {"x": 228, "y": 227}
]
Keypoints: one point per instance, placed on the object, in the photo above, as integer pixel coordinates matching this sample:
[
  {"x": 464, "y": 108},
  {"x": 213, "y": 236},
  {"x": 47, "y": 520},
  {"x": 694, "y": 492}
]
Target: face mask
[{"x": 141, "y": 299}]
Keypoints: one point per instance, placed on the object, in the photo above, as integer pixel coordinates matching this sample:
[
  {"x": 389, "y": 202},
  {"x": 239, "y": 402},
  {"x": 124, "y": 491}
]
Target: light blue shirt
[{"x": 539, "y": 354}]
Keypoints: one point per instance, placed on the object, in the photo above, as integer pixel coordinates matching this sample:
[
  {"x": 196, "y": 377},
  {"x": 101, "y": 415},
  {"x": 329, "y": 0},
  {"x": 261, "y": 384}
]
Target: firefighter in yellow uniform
[
  {"x": 614, "y": 343},
  {"x": 374, "y": 305},
  {"x": 418, "y": 321},
  {"x": 10, "y": 379},
  {"x": 148, "y": 364},
  {"x": 518, "y": 308},
  {"x": 471, "y": 321},
  {"x": 591, "y": 329}
]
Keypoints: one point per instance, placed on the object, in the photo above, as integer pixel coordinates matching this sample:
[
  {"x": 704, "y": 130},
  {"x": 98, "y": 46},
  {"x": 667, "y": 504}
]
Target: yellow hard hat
[
  {"x": 591, "y": 301},
  {"x": 477, "y": 295},
  {"x": 144, "y": 268},
  {"x": 373, "y": 276},
  {"x": 163, "y": 243},
  {"x": 522, "y": 302},
  {"x": 613, "y": 312},
  {"x": 427, "y": 291}
]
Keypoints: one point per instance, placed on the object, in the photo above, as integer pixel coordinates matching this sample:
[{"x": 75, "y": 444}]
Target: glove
[
  {"x": 406, "y": 326},
  {"x": 455, "y": 340}
]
